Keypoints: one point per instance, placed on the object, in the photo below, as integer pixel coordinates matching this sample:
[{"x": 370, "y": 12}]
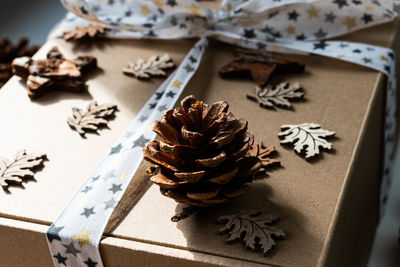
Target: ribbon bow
[{"x": 286, "y": 26}]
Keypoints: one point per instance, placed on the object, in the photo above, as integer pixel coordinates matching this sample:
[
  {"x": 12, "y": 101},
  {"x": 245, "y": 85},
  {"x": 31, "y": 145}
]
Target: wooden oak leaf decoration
[
  {"x": 154, "y": 66},
  {"x": 308, "y": 137},
  {"x": 91, "y": 119},
  {"x": 254, "y": 229},
  {"x": 14, "y": 172},
  {"x": 280, "y": 95},
  {"x": 263, "y": 153},
  {"x": 85, "y": 32}
]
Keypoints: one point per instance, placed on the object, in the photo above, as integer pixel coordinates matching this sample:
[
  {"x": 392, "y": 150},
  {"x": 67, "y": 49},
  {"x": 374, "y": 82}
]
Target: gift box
[{"x": 329, "y": 208}]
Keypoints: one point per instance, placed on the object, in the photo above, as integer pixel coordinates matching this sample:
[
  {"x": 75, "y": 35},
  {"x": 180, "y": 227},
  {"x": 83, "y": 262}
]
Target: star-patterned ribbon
[{"x": 286, "y": 26}]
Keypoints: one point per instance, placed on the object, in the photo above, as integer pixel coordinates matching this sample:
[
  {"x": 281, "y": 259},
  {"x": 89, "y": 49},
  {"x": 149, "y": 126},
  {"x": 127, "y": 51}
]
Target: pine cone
[
  {"x": 9, "y": 51},
  {"x": 203, "y": 158}
]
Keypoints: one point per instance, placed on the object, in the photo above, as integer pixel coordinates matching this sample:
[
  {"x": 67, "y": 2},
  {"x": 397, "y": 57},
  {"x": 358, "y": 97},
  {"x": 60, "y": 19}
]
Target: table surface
[{"x": 30, "y": 22}]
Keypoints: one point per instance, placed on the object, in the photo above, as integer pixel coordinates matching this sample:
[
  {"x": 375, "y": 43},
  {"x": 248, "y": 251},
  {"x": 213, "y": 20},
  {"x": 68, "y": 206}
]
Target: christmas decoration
[
  {"x": 259, "y": 66},
  {"x": 85, "y": 32},
  {"x": 280, "y": 95},
  {"x": 154, "y": 66},
  {"x": 91, "y": 119},
  {"x": 53, "y": 73},
  {"x": 21, "y": 168},
  {"x": 203, "y": 158},
  {"x": 254, "y": 229},
  {"x": 306, "y": 137}
]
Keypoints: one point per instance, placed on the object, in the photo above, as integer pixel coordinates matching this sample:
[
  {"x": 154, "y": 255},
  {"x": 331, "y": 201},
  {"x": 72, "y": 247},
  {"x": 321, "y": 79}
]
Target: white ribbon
[{"x": 278, "y": 26}]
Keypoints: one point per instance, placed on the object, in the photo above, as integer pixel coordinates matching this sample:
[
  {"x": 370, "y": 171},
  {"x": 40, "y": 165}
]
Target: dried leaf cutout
[
  {"x": 20, "y": 168},
  {"x": 154, "y": 66},
  {"x": 91, "y": 119},
  {"x": 308, "y": 137},
  {"x": 253, "y": 228},
  {"x": 85, "y": 32},
  {"x": 280, "y": 95},
  {"x": 263, "y": 153}
]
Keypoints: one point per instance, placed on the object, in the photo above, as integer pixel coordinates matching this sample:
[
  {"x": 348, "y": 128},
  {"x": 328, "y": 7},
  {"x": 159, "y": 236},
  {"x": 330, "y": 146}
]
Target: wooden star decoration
[
  {"x": 53, "y": 73},
  {"x": 259, "y": 66}
]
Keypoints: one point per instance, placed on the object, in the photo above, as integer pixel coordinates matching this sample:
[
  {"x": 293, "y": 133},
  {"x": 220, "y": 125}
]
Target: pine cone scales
[{"x": 203, "y": 158}]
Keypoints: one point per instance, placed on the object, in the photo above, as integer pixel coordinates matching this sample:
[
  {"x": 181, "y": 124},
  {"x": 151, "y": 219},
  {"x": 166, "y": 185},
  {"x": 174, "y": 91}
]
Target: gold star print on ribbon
[
  {"x": 313, "y": 12},
  {"x": 158, "y": 3},
  {"x": 176, "y": 84},
  {"x": 383, "y": 58},
  {"x": 195, "y": 9},
  {"x": 290, "y": 30},
  {"x": 350, "y": 22},
  {"x": 145, "y": 10},
  {"x": 123, "y": 175},
  {"x": 83, "y": 237}
]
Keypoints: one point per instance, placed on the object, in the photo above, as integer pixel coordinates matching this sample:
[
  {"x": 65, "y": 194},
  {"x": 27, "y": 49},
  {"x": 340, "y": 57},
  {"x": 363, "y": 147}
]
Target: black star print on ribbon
[
  {"x": 60, "y": 259},
  {"x": 116, "y": 149},
  {"x": 94, "y": 179},
  {"x": 192, "y": 59},
  {"x": 188, "y": 68},
  {"x": 367, "y": 18},
  {"x": 170, "y": 94},
  {"x": 162, "y": 108},
  {"x": 320, "y": 45},
  {"x": 340, "y": 3},
  {"x": 53, "y": 233},
  {"x": 90, "y": 263},
  {"x": 330, "y": 17},
  {"x": 115, "y": 188},
  {"x": 159, "y": 95},
  {"x": 110, "y": 204},
  {"x": 293, "y": 15},
  {"x": 87, "y": 189},
  {"x": 140, "y": 142},
  {"x": 143, "y": 118},
  {"x": 71, "y": 249},
  {"x": 249, "y": 33},
  {"x": 171, "y": 3},
  {"x": 83, "y": 10},
  {"x": 88, "y": 212}
]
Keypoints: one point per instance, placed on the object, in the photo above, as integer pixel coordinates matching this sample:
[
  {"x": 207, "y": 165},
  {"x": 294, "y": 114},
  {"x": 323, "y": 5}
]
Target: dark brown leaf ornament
[{"x": 203, "y": 157}]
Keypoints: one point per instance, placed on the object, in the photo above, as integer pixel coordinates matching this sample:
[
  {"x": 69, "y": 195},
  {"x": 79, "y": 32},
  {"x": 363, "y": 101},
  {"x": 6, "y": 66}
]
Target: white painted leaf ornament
[{"x": 306, "y": 137}]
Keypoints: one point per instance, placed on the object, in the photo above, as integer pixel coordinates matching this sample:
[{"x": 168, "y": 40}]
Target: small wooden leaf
[
  {"x": 308, "y": 137},
  {"x": 263, "y": 153},
  {"x": 154, "y": 66},
  {"x": 91, "y": 119},
  {"x": 252, "y": 228},
  {"x": 280, "y": 95},
  {"x": 14, "y": 172},
  {"x": 85, "y": 32}
]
